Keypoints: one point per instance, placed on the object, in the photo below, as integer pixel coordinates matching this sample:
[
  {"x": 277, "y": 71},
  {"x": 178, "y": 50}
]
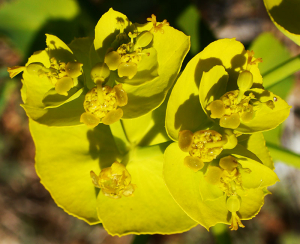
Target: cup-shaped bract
[
  {"x": 52, "y": 88},
  {"x": 214, "y": 87},
  {"x": 234, "y": 174},
  {"x": 145, "y": 58},
  {"x": 133, "y": 189}
]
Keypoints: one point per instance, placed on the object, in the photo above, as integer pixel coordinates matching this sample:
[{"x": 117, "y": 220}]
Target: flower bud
[{"x": 114, "y": 181}]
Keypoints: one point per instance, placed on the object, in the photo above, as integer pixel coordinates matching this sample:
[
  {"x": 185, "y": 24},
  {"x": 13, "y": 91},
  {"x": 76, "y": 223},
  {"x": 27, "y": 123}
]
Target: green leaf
[
  {"x": 285, "y": 16},
  {"x": 275, "y": 67},
  {"x": 183, "y": 184},
  {"x": 20, "y": 24},
  {"x": 189, "y": 22},
  {"x": 266, "y": 118},
  {"x": 152, "y": 209},
  {"x": 284, "y": 155},
  {"x": 64, "y": 158},
  {"x": 184, "y": 110}
]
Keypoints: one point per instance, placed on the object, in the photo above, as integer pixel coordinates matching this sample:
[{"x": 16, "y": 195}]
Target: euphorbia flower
[
  {"x": 145, "y": 58},
  {"x": 77, "y": 164},
  {"x": 65, "y": 171},
  {"x": 225, "y": 176},
  {"x": 52, "y": 84},
  {"x": 247, "y": 109},
  {"x": 229, "y": 188},
  {"x": 211, "y": 77}
]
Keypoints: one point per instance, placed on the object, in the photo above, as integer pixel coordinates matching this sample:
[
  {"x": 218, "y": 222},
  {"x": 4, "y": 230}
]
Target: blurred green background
[{"x": 27, "y": 211}]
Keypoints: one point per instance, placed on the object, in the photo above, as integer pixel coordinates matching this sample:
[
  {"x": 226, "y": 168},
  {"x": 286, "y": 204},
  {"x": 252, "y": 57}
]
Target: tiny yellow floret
[{"x": 114, "y": 181}]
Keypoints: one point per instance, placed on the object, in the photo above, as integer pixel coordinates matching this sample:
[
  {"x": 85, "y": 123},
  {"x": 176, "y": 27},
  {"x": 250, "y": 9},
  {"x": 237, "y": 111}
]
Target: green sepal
[
  {"x": 151, "y": 209},
  {"x": 64, "y": 158}
]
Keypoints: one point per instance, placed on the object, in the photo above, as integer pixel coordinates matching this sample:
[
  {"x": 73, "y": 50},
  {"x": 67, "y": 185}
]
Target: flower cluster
[
  {"x": 99, "y": 120},
  {"x": 234, "y": 108}
]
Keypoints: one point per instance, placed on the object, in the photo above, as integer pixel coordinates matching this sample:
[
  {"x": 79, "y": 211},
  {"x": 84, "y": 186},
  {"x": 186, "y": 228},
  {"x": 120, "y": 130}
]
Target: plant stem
[
  {"x": 221, "y": 234},
  {"x": 281, "y": 71},
  {"x": 284, "y": 155},
  {"x": 120, "y": 137}
]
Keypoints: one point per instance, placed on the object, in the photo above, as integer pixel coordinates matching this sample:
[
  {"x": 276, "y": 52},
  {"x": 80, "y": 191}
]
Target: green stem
[
  {"x": 221, "y": 234},
  {"x": 281, "y": 71},
  {"x": 284, "y": 155},
  {"x": 120, "y": 137}
]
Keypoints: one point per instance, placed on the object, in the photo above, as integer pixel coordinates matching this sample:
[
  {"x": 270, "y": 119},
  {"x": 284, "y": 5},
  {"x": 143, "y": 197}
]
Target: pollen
[{"x": 114, "y": 181}]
